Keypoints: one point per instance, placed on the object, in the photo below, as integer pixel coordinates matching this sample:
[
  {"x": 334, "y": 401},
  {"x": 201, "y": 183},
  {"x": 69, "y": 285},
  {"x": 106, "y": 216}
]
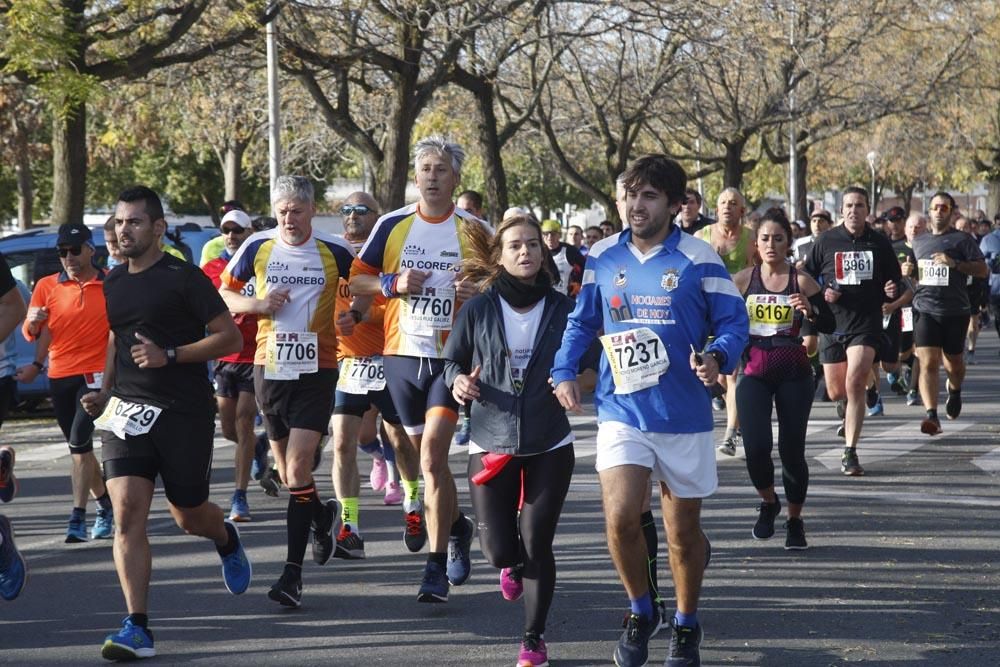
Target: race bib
[
  {"x": 769, "y": 314},
  {"x": 93, "y": 380},
  {"x": 429, "y": 312},
  {"x": 907, "y": 319},
  {"x": 637, "y": 359},
  {"x": 126, "y": 418},
  {"x": 850, "y": 268},
  {"x": 288, "y": 354},
  {"x": 360, "y": 375},
  {"x": 931, "y": 274}
]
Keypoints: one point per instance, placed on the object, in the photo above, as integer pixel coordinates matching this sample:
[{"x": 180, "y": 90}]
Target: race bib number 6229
[{"x": 126, "y": 418}]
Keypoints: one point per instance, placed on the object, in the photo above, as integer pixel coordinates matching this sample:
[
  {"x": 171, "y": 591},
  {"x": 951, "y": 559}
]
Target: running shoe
[
  {"x": 415, "y": 534},
  {"x": 841, "y": 408},
  {"x": 270, "y": 481},
  {"x": 896, "y": 383},
  {"x": 130, "y": 643},
  {"x": 533, "y": 652},
  {"x": 871, "y": 396},
  {"x": 685, "y": 645},
  {"x": 287, "y": 591},
  {"x": 511, "y": 584},
  {"x": 930, "y": 426},
  {"x": 729, "y": 445},
  {"x": 970, "y": 357},
  {"x": 236, "y": 569},
  {"x": 323, "y": 531},
  {"x": 8, "y": 481},
  {"x": 718, "y": 404},
  {"x": 239, "y": 507},
  {"x": 379, "y": 475},
  {"x": 434, "y": 587},
  {"x": 662, "y": 617},
  {"x": 462, "y": 434},
  {"x": 259, "y": 463},
  {"x": 876, "y": 410},
  {"x": 76, "y": 531},
  {"x": 350, "y": 546},
  {"x": 849, "y": 464},
  {"x": 953, "y": 406},
  {"x": 393, "y": 494},
  {"x": 104, "y": 525},
  {"x": 912, "y": 397},
  {"x": 459, "y": 548},
  {"x": 841, "y": 430},
  {"x": 795, "y": 535},
  {"x": 13, "y": 569},
  {"x": 633, "y": 645},
  {"x": 766, "y": 514}
]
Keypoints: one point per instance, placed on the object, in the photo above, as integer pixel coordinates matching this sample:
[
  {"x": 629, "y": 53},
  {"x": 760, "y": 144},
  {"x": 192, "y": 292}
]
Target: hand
[
  {"x": 26, "y": 373},
  {"x": 831, "y": 295},
  {"x": 93, "y": 403},
  {"x": 568, "y": 394},
  {"x": 891, "y": 289},
  {"x": 465, "y": 289},
  {"x": 148, "y": 354},
  {"x": 37, "y": 314},
  {"x": 799, "y": 301},
  {"x": 941, "y": 258},
  {"x": 345, "y": 323},
  {"x": 411, "y": 281},
  {"x": 465, "y": 388},
  {"x": 705, "y": 367},
  {"x": 887, "y": 309},
  {"x": 273, "y": 302},
  {"x": 906, "y": 268}
]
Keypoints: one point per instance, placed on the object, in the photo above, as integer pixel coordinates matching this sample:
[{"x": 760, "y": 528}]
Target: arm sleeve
[
  {"x": 728, "y": 314},
  {"x": 458, "y": 349},
  {"x": 582, "y": 326}
]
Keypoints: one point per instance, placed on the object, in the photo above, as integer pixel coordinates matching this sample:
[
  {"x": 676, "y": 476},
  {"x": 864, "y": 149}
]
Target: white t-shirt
[{"x": 562, "y": 263}]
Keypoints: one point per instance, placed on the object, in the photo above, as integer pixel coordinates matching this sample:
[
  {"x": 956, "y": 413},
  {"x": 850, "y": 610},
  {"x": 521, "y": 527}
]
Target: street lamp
[{"x": 872, "y": 160}]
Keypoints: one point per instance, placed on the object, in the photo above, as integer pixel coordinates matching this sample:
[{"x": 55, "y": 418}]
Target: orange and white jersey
[{"x": 368, "y": 338}]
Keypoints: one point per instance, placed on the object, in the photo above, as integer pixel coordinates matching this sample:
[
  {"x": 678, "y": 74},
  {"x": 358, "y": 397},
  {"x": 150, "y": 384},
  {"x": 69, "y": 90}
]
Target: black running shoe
[
  {"x": 795, "y": 535},
  {"x": 841, "y": 408},
  {"x": 930, "y": 426},
  {"x": 633, "y": 645},
  {"x": 350, "y": 546},
  {"x": 288, "y": 589},
  {"x": 953, "y": 406},
  {"x": 270, "y": 481},
  {"x": 323, "y": 530},
  {"x": 766, "y": 514},
  {"x": 849, "y": 464},
  {"x": 841, "y": 430},
  {"x": 871, "y": 396},
  {"x": 685, "y": 645},
  {"x": 415, "y": 533}
]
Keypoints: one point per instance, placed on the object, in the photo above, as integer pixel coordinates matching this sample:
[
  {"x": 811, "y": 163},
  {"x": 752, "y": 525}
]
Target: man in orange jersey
[{"x": 68, "y": 319}]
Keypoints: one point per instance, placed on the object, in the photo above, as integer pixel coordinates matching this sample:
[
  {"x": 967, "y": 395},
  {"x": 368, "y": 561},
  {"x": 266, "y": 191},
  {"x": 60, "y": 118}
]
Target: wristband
[
  {"x": 171, "y": 353},
  {"x": 39, "y": 365},
  {"x": 356, "y": 314},
  {"x": 388, "y": 283}
]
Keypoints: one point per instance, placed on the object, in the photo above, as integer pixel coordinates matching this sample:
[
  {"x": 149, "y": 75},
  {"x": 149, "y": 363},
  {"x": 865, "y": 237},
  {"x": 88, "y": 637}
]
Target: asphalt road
[{"x": 902, "y": 567}]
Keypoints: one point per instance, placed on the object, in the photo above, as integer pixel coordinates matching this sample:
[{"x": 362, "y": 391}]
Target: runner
[
  {"x": 978, "y": 289},
  {"x": 945, "y": 258},
  {"x": 360, "y": 388},
  {"x": 916, "y": 224},
  {"x": 657, "y": 293},
  {"x": 115, "y": 256},
  {"x": 68, "y": 321},
  {"x": 296, "y": 271},
  {"x": 234, "y": 390},
  {"x": 859, "y": 273},
  {"x": 779, "y": 299},
  {"x": 592, "y": 235},
  {"x": 690, "y": 219},
  {"x": 819, "y": 221},
  {"x": 990, "y": 247},
  {"x": 413, "y": 258},
  {"x": 214, "y": 247},
  {"x": 568, "y": 259},
  {"x": 521, "y": 445},
  {"x": 156, "y": 408}
]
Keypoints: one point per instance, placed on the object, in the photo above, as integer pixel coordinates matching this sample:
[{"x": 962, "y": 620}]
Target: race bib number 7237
[{"x": 637, "y": 359}]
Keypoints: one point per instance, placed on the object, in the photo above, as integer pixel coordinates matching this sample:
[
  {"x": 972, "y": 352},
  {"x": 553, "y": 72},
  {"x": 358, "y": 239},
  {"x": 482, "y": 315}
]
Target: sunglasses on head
[
  {"x": 71, "y": 250},
  {"x": 357, "y": 209}
]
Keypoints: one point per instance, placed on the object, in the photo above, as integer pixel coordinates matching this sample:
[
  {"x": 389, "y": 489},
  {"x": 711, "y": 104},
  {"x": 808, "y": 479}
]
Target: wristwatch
[
  {"x": 356, "y": 314},
  {"x": 39, "y": 365},
  {"x": 171, "y": 355},
  {"x": 719, "y": 359}
]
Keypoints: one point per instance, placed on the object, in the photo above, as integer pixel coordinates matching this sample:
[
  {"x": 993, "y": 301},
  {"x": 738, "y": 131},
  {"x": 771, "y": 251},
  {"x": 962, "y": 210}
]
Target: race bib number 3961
[
  {"x": 852, "y": 267},
  {"x": 126, "y": 418},
  {"x": 637, "y": 359},
  {"x": 289, "y": 354}
]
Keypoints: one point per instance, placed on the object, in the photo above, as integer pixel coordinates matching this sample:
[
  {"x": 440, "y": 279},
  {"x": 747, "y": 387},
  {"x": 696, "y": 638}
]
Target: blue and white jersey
[
  {"x": 8, "y": 348},
  {"x": 990, "y": 247},
  {"x": 682, "y": 293}
]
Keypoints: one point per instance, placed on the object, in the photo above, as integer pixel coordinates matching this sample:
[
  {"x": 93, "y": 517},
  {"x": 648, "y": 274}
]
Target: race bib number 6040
[
  {"x": 126, "y": 418},
  {"x": 637, "y": 359}
]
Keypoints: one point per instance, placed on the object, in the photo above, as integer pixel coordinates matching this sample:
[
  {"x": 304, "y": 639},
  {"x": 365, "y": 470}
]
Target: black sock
[
  {"x": 460, "y": 526},
  {"x": 233, "y": 542},
  {"x": 648, "y": 524},
  {"x": 299, "y": 519},
  {"x": 439, "y": 557},
  {"x": 932, "y": 414},
  {"x": 105, "y": 502},
  {"x": 142, "y": 620}
]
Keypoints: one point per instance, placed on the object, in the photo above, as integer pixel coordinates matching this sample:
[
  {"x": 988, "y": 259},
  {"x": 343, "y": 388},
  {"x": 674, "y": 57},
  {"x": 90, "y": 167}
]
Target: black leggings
[
  {"x": 508, "y": 539},
  {"x": 793, "y": 402}
]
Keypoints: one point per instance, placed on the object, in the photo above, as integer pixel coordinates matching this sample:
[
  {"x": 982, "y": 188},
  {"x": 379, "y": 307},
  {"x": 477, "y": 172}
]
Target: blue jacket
[{"x": 683, "y": 293}]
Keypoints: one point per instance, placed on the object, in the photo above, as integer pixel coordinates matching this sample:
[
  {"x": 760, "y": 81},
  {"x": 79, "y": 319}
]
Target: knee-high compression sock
[
  {"x": 301, "y": 510},
  {"x": 648, "y": 524}
]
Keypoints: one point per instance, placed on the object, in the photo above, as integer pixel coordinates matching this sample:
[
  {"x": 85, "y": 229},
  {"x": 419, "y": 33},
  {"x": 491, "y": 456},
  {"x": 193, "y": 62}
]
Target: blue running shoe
[
  {"x": 633, "y": 645},
  {"x": 130, "y": 643},
  {"x": 259, "y": 463},
  {"x": 104, "y": 525},
  {"x": 877, "y": 409},
  {"x": 13, "y": 571},
  {"x": 239, "y": 507},
  {"x": 459, "y": 546},
  {"x": 434, "y": 587},
  {"x": 236, "y": 569},
  {"x": 8, "y": 482},
  {"x": 77, "y": 529},
  {"x": 462, "y": 434}
]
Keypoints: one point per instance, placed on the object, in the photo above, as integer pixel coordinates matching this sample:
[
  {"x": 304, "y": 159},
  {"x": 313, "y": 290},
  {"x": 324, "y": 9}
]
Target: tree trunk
[
  {"x": 800, "y": 207},
  {"x": 233, "y": 169},
  {"x": 493, "y": 171},
  {"x": 732, "y": 175},
  {"x": 25, "y": 183},
  {"x": 69, "y": 165},
  {"x": 993, "y": 194}
]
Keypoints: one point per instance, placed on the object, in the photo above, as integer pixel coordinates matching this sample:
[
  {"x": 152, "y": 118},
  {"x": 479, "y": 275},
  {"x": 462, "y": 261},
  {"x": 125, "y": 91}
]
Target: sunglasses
[
  {"x": 357, "y": 209},
  {"x": 72, "y": 250},
  {"x": 232, "y": 230}
]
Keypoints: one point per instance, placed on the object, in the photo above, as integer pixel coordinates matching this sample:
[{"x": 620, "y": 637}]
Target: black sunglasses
[
  {"x": 232, "y": 230},
  {"x": 357, "y": 209},
  {"x": 72, "y": 250}
]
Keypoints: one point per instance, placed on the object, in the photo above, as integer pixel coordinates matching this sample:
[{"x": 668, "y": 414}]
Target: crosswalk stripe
[
  {"x": 889, "y": 444},
  {"x": 988, "y": 462}
]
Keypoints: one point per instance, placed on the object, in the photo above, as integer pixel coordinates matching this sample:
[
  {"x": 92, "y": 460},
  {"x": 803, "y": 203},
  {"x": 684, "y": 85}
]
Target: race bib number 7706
[{"x": 289, "y": 354}]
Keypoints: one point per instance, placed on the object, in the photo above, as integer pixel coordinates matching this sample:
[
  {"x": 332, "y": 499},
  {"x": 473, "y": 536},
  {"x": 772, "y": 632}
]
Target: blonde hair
[{"x": 483, "y": 261}]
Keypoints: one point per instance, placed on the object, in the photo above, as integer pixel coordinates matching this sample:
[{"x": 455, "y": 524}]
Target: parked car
[{"x": 32, "y": 255}]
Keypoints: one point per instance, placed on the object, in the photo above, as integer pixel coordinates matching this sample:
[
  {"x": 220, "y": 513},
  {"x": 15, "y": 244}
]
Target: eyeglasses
[
  {"x": 232, "y": 230},
  {"x": 357, "y": 209},
  {"x": 71, "y": 250}
]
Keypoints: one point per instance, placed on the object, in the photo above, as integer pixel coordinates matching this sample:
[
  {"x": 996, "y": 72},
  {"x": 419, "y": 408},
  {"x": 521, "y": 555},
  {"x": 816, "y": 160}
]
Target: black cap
[
  {"x": 896, "y": 214},
  {"x": 73, "y": 233}
]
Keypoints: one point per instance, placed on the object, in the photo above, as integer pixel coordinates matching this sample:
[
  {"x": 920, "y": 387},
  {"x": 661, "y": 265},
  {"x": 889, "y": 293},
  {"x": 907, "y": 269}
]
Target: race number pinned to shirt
[
  {"x": 360, "y": 375},
  {"x": 428, "y": 312},
  {"x": 289, "y": 354},
  {"x": 769, "y": 314},
  {"x": 93, "y": 380},
  {"x": 126, "y": 418},
  {"x": 931, "y": 274},
  {"x": 851, "y": 267},
  {"x": 906, "y": 313},
  {"x": 637, "y": 359}
]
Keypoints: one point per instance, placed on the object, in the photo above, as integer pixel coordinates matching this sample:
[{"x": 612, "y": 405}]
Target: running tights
[
  {"x": 793, "y": 401},
  {"x": 508, "y": 538}
]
